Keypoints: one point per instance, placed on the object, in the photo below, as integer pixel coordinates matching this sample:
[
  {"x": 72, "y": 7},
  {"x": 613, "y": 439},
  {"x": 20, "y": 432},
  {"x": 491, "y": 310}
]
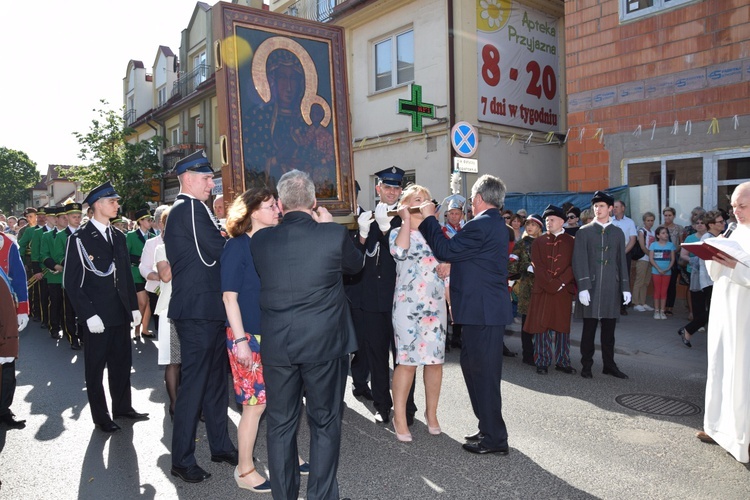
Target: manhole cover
[{"x": 658, "y": 405}]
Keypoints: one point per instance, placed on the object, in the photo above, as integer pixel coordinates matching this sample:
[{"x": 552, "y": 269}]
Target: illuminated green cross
[{"x": 416, "y": 108}]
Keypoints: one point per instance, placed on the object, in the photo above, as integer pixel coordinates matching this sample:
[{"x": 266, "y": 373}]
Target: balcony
[
  {"x": 314, "y": 10},
  {"x": 187, "y": 82},
  {"x": 129, "y": 117},
  {"x": 173, "y": 154}
]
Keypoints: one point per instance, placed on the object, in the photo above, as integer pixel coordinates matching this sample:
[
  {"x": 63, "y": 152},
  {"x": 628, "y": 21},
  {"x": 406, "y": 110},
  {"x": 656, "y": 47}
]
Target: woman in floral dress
[{"x": 419, "y": 315}]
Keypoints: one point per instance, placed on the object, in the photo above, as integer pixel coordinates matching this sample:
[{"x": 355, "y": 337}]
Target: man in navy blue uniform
[
  {"x": 194, "y": 244},
  {"x": 97, "y": 279},
  {"x": 480, "y": 303}
]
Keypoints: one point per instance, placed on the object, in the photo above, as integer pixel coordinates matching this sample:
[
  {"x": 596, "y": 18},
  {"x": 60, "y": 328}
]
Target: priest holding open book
[{"x": 727, "y": 415}]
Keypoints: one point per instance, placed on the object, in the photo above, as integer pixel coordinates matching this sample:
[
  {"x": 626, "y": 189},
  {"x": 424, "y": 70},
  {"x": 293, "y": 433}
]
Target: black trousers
[
  {"x": 358, "y": 366},
  {"x": 607, "y": 340},
  {"x": 527, "y": 344},
  {"x": 152, "y": 298},
  {"x": 672, "y": 288},
  {"x": 482, "y": 367},
  {"x": 43, "y": 301},
  {"x": 55, "y": 293},
  {"x": 203, "y": 386},
  {"x": 7, "y": 386},
  {"x": 324, "y": 384},
  {"x": 701, "y": 307},
  {"x": 377, "y": 335},
  {"x": 110, "y": 349},
  {"x": 69, "y": 322}
]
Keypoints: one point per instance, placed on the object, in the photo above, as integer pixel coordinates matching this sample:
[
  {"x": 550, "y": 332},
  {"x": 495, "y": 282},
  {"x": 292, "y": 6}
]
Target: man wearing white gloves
[
  {"x": 14, "y": 316},
  {"x": 373, "y": 316},
  {"x": 98, "y": 280},
  {"x": 601, "y": 273}
]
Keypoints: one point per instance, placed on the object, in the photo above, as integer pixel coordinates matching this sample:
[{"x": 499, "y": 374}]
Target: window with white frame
[
  {"x": 161, "y": 96},
  {"x": 198, "y": 130},
  {"x": 632, "y": 9},
  {"x": 174, "y": 135},
  {"x": 200, "y": 68},
  {"x": 394, "y": 60},
  {"x": 684, "y": 182}
]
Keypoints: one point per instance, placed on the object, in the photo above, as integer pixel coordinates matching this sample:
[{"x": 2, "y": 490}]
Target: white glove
[
  {"x": 95, "y": 324},
  {"x": 6, "y": 360},
  {"x": 23, "y": 320},
  {"x": 364, "y": 220},
  {"x": 626, "y": 298},
  {"x": 584, "y": 297},
  {"x": 137, "y": 317},
  {"x": 381, "y": 217},
  {"x": 530, "y": 269},
  {"x": 512, "y": 257}
]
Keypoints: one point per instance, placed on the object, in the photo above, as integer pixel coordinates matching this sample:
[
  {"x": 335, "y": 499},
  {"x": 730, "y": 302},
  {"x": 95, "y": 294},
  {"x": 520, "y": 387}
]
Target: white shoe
[
  {"x": 663, "y": 316},
  {"x": 640, "y": 308},
  {"x": 702, "y": 329},
  {"x": 648, "y": 307},
  {"x": 657, "y": 315}
]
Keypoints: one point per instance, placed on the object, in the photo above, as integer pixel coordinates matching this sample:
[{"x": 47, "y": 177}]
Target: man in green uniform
[
  {"x": 24, "y": 246},
  {"x": 46, "y": 222},
  {"x": 53, "y": 276},
  {"x": 135, "y": 240},
  {"x": 73, "y": 212}
]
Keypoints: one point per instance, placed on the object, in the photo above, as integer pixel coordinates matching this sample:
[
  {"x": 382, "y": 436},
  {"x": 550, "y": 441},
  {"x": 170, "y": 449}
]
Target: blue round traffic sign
[{"x": 464, "y": 139}]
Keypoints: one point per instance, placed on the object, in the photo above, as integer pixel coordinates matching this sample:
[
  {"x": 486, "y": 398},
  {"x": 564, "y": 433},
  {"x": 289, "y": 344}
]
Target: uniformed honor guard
[
  {"x": 373, "y": 318},
  {"x": 53, "y": 270},
  {"x": 24, "y": 237},
  {"x": 39, "y": 297},
  {"x": 194, "y": 245},
  {"x": 136, "y": 239},
  {"x": 73, "y": 212},
  {"x": 98, "y": 280}
]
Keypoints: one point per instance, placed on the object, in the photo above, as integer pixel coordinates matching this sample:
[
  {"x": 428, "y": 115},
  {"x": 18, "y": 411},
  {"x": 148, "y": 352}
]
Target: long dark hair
[{"x": 238, "y": 217}]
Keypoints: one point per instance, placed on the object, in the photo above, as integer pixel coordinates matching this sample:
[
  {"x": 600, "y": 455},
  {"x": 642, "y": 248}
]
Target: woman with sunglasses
[{"x": 572, "y": 221}]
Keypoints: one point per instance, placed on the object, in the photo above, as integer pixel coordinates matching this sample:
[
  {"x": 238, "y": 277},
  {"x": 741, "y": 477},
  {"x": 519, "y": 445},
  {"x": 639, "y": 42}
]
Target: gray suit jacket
[{"x": 305, "y": 315}]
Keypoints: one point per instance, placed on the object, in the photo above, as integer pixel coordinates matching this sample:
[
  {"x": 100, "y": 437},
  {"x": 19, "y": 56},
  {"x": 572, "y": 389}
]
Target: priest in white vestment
[{"x": 727, "y": 415}]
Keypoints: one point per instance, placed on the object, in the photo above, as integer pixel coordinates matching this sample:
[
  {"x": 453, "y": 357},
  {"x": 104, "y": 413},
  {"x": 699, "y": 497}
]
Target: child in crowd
[{"x": 661, "y": 255}]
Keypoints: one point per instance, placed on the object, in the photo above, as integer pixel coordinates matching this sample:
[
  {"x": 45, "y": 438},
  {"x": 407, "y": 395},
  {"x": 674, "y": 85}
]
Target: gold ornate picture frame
[{"x": 283, "y": 104}]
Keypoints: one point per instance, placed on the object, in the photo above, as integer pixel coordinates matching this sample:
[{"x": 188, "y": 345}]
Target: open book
[{"x": 706, "y": 249}]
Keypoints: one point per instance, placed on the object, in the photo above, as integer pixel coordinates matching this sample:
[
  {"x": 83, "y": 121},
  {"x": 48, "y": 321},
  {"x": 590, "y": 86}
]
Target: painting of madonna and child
[{"x": 286, "y": 104}]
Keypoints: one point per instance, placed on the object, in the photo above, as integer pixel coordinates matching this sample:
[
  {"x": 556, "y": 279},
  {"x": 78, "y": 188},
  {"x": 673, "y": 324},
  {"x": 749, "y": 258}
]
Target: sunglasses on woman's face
[
  {"x": 506, "y": 217},
  {"x": 571, "y": 216}
]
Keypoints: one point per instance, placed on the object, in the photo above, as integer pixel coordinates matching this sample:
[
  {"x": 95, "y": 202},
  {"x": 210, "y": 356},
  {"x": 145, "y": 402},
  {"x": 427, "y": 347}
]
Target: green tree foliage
[
  {"x": 130, "y": 168},
  {"x": 17, "y": 174}
]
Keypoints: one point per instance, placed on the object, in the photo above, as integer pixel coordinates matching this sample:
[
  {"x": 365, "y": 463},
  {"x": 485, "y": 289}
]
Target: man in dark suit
[
  {"x": 307, "y": 335},
  {"x": 480, "y": 303},
  {"x": 194, "y": 245},
  {"x": 97, "y": 279}
]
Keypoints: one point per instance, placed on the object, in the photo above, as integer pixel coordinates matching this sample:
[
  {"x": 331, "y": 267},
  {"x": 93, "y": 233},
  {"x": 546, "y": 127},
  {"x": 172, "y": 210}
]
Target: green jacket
[
  {"x": 24, "y": 242},
  {"x": 46, "y": 259},
  {"x": 135, "y": 242}
]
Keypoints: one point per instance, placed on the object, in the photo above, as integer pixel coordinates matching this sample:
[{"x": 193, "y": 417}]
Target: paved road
[{"x": 569, "y": 437}]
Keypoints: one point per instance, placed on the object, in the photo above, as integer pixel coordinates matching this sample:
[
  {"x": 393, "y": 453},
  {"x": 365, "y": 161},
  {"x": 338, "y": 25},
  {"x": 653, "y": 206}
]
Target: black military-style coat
[{"x": 97, "y": 276}]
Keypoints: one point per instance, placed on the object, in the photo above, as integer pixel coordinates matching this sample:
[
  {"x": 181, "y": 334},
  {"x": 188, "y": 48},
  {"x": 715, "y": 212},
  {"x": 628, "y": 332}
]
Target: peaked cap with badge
[
  {"x": 392, "y": 176},
  {"x": 196, "y": 162}
]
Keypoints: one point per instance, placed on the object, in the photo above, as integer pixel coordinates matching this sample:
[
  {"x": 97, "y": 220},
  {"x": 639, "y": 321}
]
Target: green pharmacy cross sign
[{"x": 416, "y": 108}]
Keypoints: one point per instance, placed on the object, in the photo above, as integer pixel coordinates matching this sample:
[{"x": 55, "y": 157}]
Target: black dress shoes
[
  {"x": 231, "y": 458},
  {"x": 133, "y": 415},
  {"x": 192, "y": 474},
  {"x": 480, "y": 449},
  {"x": 76, "y": 345},
  {"x": 477, "y": 436},
  {"x": 10, "y": 420},
  {"x": 508, "y": 353},
  {"x": 615, "y": 372},
  {"x": 566, "y": 369},
  {"x": 364, "y": 393},
  {"x": 586, "y": 374},
  {"x": 108, "y": 427},
  {"x": 541, "y": 370},
  {"x": 383, "y": 417}
]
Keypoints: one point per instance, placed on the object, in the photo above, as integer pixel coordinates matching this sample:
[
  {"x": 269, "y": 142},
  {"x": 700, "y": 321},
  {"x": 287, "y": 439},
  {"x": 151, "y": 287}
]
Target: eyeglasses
[
  {"x": 506, "y": 217},
  {"x": 571, "y": 216},
  {"x": 720, "y": 221}
]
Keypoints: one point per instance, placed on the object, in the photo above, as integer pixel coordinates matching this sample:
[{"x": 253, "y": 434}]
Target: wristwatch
[{"x": 237, "y": 341}]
